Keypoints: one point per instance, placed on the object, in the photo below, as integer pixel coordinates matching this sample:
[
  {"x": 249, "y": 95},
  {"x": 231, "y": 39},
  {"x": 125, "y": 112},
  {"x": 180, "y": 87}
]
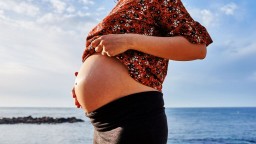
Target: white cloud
[
  {"x": 82, "y": 14},
  {"x": 229, "y": 9},
  {"x": 71, "y": 9},
  {"x": 2, "y": 14},
  {"x": 59, "y": 6},
  {"x": 239, "y": 49},
  {"x": 246, "y": 50},
  {"x": 204, "y": 16},
  {"x": 37, "y": 47},
  {"x": 78, "y": 23},
  {"x": 100, "y": 8},
  {"x": 49, "y": 18},
  {"x": 20, "y": 8},
  {"x": 87, "y": 2},
  {"x": 26, "y": 9},
  {"x": 207, "y": 17},
  {"x": 35, "y": 57},
  {"x": 37, "y": 52}
]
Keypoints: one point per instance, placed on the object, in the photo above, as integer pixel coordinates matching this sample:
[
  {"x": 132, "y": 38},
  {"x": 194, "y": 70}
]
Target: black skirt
[{"x": 137, "y": 118}]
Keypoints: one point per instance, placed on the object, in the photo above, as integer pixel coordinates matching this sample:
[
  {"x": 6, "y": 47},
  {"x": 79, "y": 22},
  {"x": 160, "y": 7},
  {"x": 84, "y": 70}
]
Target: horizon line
[{"x": 165, "y": 107}]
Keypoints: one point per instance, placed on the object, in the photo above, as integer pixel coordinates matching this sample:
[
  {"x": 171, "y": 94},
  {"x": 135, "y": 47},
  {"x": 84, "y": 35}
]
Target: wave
[{"x": 214, "y": 141}]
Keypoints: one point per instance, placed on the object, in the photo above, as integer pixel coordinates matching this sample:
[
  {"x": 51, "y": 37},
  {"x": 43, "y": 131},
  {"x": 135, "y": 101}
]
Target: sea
[{"x": 233, "y": 125}]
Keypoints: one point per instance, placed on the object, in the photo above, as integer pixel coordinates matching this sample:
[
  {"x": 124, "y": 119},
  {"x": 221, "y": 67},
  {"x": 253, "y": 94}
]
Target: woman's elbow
[{"x": 202, "y": 51}]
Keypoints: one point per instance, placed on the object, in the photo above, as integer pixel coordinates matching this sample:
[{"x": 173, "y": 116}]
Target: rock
[{"x": 31, "y": 120}]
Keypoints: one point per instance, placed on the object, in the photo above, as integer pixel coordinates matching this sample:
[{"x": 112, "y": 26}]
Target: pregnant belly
[{"x": 102, "y": 79}]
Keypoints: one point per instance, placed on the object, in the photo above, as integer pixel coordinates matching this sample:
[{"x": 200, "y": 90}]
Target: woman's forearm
[{"x": 173, "y": 48}]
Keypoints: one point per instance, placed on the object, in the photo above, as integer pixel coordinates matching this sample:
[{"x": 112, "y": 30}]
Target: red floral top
[{"x": 163, "y": 18}]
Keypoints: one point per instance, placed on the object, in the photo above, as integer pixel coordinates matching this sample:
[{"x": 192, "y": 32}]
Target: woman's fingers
[
  {"x": 76, "y": 73},
  {"x": 108, "y": 54},
  {"x": 73, "y": 92},
  {"x": 96, "y": 42},
  {"x": 77, "y": 104},
  {"x": 74, "y": 96},
  {"x": 99, "y": 48},
  {"x": 105, "y": 53}
]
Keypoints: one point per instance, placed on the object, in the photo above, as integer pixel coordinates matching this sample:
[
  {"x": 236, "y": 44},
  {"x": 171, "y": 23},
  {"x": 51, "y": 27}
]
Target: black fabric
[{"x": 137, "y": 118}]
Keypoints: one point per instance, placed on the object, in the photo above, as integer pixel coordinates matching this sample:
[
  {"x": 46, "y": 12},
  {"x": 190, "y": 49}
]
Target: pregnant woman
[{"x": 119, "y": 85}]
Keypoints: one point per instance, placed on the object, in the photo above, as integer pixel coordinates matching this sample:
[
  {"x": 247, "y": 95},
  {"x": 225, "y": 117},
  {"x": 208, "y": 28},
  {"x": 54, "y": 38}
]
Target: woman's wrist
[{"x": 132, "y": 39}]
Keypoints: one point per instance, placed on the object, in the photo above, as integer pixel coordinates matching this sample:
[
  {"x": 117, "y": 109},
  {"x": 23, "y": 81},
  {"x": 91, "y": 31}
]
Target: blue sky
[{"x": 41, "y": 43}]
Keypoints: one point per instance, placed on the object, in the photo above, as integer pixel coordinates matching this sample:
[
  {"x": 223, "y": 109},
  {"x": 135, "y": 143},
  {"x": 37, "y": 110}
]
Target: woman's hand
[
  {"x": 74, "y": 95},
  {"x": 112, "y": 44}
]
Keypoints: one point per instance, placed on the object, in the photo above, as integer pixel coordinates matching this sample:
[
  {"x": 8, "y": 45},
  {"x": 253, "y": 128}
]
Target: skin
[
  {"x": 172, "y": 48},
  {"x": 102, "y": 79}
]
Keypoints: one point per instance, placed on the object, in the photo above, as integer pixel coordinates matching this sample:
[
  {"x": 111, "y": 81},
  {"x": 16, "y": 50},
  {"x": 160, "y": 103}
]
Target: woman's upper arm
[{"x": 176, "y": 21}]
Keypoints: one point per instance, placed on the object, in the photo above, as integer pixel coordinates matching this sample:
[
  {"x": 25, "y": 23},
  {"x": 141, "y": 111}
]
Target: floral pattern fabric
[{"x": 163, "y": 18}]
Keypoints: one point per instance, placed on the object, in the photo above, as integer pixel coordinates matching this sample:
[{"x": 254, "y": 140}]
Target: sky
[{"x": 41, "y": 44}]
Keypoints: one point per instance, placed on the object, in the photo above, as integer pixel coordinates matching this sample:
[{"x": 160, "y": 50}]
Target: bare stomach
[{"x": 102, "y": 79}]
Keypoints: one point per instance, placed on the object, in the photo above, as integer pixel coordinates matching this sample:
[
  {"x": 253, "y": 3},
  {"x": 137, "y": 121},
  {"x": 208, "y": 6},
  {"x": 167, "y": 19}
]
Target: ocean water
[{"x": 185, "y": 126}]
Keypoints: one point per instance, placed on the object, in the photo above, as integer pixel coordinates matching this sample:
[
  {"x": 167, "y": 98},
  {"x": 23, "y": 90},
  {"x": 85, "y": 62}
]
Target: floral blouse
[{"x": 163, "y": 18}]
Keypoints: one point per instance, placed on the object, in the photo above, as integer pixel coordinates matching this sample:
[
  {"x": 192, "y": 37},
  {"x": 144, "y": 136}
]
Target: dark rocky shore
[{"x": 40, "y": 120}]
